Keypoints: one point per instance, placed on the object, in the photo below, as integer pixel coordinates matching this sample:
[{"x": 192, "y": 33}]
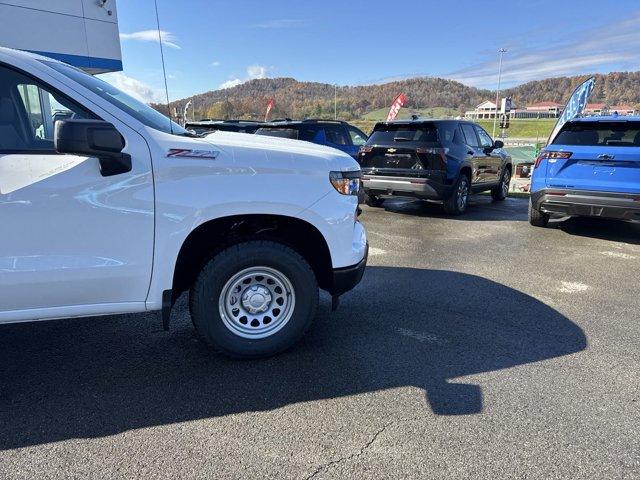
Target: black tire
[
  {"x": 208, "y": 288},
  {"x": 501, "y": 191},
  {"x": 536, "y": 217},
  {"x": 457, "y": 202},
  {"x": 373, "y": 201}
]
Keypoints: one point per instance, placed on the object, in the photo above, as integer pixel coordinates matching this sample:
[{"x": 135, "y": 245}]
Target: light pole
[
  {"x": 502, "y": 51},
  {"x": 335, "y": 101}
]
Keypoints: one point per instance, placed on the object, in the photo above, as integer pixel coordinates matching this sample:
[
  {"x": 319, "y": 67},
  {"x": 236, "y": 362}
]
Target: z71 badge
[{"x": 184, "y": 152}]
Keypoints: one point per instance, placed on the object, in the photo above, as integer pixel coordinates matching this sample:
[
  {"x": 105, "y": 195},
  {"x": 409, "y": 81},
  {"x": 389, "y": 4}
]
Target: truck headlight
[{"x": 346, "y": 183}]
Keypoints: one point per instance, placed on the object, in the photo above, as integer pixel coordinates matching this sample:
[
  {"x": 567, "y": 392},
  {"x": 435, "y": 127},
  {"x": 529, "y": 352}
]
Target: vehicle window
[
  {"x": 291, "y": 133},
  {"x": 358, "y": 138},
  {"x": 605, "y": 134},
  {"x": 485, "y": 139},
  {"x": 447, "y": 131},
  {"x": 138, "y": 110},
  {"x": 29, "y": 111},
  {"x": 419, "y": 133},
  {"x": 469, "y": 135},
  {"x": 308, "y": 133},
  {"x": 458, "y": 138},
  {"x": 336, "y": 134}
]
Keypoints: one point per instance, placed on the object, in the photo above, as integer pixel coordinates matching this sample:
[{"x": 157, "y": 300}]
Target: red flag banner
[
  {"x": 396, "y": 106},
  {"x": 270, "y": 106}
]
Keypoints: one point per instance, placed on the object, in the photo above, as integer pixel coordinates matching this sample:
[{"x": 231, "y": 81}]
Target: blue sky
[{"x": 218, "y": 43}]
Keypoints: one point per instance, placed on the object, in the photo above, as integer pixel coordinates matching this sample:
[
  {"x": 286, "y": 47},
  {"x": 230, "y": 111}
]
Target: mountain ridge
[{"x": 296, "y": 99}]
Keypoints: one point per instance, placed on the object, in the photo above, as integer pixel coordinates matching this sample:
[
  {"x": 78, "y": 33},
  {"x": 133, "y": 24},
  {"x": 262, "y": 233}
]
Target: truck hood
[{"x": 305, "y": 154}]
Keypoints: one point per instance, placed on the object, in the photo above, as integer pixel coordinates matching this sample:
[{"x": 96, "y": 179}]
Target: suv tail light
[
  {"x": 551, "y": 155},
  {"x": 440, "y": 152}
]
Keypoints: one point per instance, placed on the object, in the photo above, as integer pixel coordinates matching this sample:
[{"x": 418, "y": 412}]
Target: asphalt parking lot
[{"x": 475, "y": 347}]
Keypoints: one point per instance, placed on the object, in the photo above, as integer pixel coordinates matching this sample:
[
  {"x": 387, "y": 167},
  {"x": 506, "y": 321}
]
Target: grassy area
[
  {"x": 518, "y": 128},
  {"x": 435, "y": 112},
  {"x": 523, "y": 128}
]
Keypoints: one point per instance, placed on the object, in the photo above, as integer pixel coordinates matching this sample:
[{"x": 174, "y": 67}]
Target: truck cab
[{"x": 109, "y": 207}]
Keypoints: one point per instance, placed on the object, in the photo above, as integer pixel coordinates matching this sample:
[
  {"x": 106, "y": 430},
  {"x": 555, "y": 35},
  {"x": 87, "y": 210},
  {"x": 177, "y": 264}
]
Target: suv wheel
[
  {"x": 500, "y": 191},
  {"x": 457, "y": 203},
  {"x": 254, "y": 299},
  {"x": 373, "y": 201},
  {"x": 536, "y": 217}
]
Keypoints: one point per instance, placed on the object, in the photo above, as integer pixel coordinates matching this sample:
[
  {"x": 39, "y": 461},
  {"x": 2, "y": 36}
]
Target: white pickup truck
[{"x": 108, "y": 207}]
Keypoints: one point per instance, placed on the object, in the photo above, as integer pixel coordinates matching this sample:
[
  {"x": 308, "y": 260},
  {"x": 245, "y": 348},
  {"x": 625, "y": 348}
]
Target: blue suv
[
  {"x": 331, "y": 133},
  {"x": 590, "y": 167}
]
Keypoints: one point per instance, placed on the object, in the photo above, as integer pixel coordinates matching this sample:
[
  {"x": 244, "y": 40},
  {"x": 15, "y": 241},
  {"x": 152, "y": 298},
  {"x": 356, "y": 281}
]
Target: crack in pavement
[{"x": 326, "y": 466}]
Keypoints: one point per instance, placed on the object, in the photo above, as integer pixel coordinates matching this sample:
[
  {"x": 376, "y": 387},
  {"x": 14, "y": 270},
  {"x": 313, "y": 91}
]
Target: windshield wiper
[{"x": 401, "y": 139}]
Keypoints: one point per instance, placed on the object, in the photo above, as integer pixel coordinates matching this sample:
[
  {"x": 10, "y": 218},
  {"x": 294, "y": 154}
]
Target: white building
[
  {"x": 83, "y": 33},
  {"x": 486, "y": 109}
]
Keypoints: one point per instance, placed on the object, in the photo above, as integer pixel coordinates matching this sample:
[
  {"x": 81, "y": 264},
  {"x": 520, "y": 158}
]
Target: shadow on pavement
[
  {"x": 82, "y": 378},
  {"x": 600, "y": 228},
  {"x": 481, "y": 207}
]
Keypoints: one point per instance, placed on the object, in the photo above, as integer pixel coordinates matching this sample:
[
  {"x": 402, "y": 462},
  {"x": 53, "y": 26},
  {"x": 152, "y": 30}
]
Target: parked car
[
  {"x": 206, "y": 126},
  {"x": 442, "y": 160},
  {"x": 116, "y": 209},
  {"x": 590, "y": 166},
  {"x": 336, "y": 134}
]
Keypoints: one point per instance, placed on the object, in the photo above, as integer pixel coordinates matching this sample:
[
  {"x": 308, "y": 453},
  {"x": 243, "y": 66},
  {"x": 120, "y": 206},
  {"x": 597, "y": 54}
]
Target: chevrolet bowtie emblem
[{"x": 392, "y": 150}]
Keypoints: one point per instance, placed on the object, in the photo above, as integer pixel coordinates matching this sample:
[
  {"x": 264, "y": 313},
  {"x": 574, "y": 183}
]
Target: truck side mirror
[
  {"x": 498, "y": 144},
  {"x": 94, "y": 138}
]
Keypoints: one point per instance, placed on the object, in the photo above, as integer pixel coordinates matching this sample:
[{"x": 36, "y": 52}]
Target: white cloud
[
  {"x": 216, "y": 64},
  {"x": 135, "y": 88},
  {"x": 614, "y": 46},
  {"x": 230, "y": 83},
  {"x": 168, "y": 39},
  {"x": 254, "y": 72}
]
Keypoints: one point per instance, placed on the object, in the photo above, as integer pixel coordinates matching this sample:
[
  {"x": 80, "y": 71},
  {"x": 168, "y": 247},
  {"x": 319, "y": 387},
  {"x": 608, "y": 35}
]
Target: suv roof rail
[
  {"x": 240, "y": 120},
  {"x": 280, "y": 120},
  {"x": 316, "y": 120}
]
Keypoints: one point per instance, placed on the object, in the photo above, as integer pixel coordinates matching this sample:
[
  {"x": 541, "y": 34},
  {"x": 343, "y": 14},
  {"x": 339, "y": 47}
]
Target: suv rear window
[
  {"x": 600, "y": 134},
  {"x": 278, "y": 132},
  {"x": 419, "y": 133}
]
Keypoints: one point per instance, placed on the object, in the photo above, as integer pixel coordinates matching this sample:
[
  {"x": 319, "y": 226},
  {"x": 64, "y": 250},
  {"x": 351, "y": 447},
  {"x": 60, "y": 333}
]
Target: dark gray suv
[{"x": 433, "y": 159}]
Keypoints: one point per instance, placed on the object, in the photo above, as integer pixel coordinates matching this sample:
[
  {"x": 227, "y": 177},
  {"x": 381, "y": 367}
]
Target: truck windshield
[
  {"x": 600, "y": 134},
  {"x": 138, "y": 110}
]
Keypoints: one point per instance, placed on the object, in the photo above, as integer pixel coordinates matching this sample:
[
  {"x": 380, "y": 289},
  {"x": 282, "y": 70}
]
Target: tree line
[{"x": 294, "y": 99}]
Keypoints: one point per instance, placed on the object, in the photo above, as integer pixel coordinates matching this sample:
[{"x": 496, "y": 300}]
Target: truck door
[{"x": 72, "y": 242}]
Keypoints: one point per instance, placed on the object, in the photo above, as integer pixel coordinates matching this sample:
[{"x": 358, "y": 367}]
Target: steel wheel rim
[
  {"x": 257, "y": 302},
  {"x": 505, "y": 183},
  {"x": 463, "y": 194}
]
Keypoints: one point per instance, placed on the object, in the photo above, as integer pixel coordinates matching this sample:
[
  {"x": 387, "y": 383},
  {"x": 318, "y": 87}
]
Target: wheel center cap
[{"x": 256, "y": 299}]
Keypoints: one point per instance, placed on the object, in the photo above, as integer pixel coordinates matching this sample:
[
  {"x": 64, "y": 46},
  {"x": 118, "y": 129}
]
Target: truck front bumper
[
  {"x": 346, "y": 278},
  {"x": 587, "y": 203}
]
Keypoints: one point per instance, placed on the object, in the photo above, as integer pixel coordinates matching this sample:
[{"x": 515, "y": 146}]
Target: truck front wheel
[{"x": 254, "y": 299}]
